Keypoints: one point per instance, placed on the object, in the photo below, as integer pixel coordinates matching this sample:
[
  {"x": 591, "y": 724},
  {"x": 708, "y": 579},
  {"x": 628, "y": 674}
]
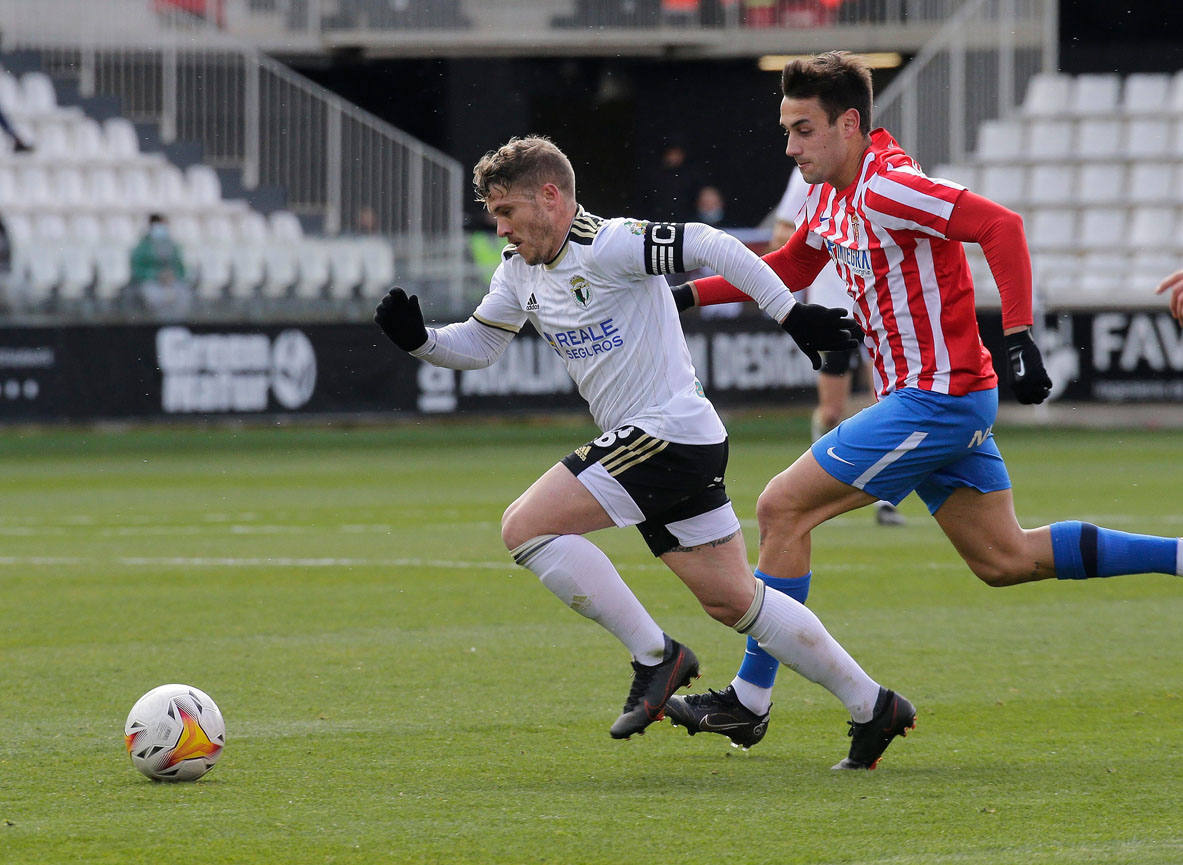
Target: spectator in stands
[
  {"x": 158, "y": 273},
  {"x": 710, "y": 206},
  {"x": 1174, "y": 284},
  {"x": 674, "y": 186},
  {"x": 367, "y": 220}
]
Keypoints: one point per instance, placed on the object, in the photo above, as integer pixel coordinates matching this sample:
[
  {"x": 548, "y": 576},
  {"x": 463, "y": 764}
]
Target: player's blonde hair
[{"x": 523, "y": 163}]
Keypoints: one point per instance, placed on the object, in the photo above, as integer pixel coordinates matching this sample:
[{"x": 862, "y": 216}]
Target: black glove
[
  {"x": 1028, "y": 379},
  {"x": 400, "y": 319},
  {"x": 683, "y": 296},
  {"x": 817, "y": 328}
]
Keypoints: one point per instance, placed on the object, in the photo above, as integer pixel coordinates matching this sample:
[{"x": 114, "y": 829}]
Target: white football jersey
[{"x": 606, "y": 309}]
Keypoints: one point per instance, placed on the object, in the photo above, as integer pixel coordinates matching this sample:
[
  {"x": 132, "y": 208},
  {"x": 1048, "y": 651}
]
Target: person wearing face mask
[{"x": 158, "y": 273}]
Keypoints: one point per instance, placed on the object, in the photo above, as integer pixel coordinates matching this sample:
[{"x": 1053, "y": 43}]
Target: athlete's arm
[
  {"x": 797, "y": 264},
  {"x": 999, "y": 232},
  {"x": 470, "y": 344},
  {"x": 1173, "y": 284},
  {"x": 705, "y": 246}
]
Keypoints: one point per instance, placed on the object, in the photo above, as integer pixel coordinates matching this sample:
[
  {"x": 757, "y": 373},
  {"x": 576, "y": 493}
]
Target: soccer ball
[{"x": 174, "y": 733}]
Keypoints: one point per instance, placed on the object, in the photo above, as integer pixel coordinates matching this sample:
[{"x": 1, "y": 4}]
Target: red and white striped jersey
[{"x": 913, "y": 295}]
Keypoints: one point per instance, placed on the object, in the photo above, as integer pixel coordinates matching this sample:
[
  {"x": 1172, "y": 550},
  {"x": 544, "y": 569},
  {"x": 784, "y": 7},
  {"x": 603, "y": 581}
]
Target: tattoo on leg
[{"x": 716, "y": 543}]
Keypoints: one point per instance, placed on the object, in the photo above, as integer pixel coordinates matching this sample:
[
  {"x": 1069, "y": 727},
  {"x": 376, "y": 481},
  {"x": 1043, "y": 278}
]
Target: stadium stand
[
  {"x": 1094, "y": 163},
  {"x": 75, "y": 206}
]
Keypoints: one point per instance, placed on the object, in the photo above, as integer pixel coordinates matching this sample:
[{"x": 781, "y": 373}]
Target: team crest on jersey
[
  {"x": 581, "y": 290},
  {"x": 855, "y": 228},
  {"x": 634, "y": 227},
  {"x": 532, "y": 303}
]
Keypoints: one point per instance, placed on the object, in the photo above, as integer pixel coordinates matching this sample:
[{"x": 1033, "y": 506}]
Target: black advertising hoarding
[{"x": 175, "y": 371}]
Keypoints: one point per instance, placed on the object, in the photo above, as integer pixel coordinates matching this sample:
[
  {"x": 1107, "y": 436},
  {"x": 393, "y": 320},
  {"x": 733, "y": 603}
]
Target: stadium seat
[
  {"x": 1102, "y": 228},
  {"x": 105, "y": 190},
  {"x": 1103, "y": 273},
  {"x": 1048, "y": 93},
  {"x": 966, "y": 175},
  {"x": 170, "y": 187},
  {"x": 1050, "y": 183},
  {"x": 1095, "y": 93},
  {"x": 283, "y": 269},
  {"x": 315, "y": 269},
  {"x": 285, "y": 226},
  {"x": 1146, "y": 93},
  {"x": 137, "y": 190},
  {"x": 112, "y": 270},
  {"x": 186, "y": 229},
  {"x": 252, "y": 227},
  {"x": 50, "y": 226},
  {"x": 34, "y": 187},
  {"x": 1148, "y": 137},
  {"x": 11, "y": 96},
  {"x": 1006, "y": 184},
  {"x": 1152, "y": 228},
  {"x": 87, "y": 141},
  {"x": 205, "y": 190},
  {"x": 249, "y": 270},
  {"x": 348, "y": 271},
  {"x": 9, "y": 194},
  {"x": 122, "y": 228},
  {"x": 1052, "y": 229},
  {"x": 1151, "y": 182},
  {"x": 378, "y": 263},
  {"x": 39, "y": 269},
  {"x": 123, "y": 143},
  {"x": 1100, "y": 183},
  {"x": 1050, "y": 139},
  {"x": 1000, "y": 141},
  {"x": 54, "y": 146},
  {"x": 70, "y": 188},
  {"x": 86, "y": 228},
  {"x": 38, "y": 94},
  {"x": 214, "y": 270},
  {"x": 1099, "y": 138},
  {"x": 77, "y": 270}
]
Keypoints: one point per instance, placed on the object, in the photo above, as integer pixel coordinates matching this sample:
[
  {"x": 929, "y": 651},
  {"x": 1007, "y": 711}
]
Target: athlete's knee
[
  {"x": 775, "y": 509},
  {"x": 1001, "y": 570},
  {"x": 515, "y": 527}
]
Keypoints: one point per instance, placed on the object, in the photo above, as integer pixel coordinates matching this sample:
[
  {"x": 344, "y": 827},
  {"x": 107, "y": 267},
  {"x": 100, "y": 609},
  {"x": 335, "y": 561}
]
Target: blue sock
[
  {"x": 758, "y": 666},
  {"x": 1082, "y": 550}
]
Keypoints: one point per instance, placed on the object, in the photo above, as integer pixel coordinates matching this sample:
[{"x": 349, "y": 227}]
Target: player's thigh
[
  {"x": 556, "y": 503},
  {"x": 718, "y": 574},
  {"x": 805, "y": 495}
]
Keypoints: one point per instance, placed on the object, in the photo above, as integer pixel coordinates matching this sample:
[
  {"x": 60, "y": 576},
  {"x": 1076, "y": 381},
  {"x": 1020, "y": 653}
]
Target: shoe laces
[
  {"x": 642, "y": 675},
  {"x": 710, "y": 696}
]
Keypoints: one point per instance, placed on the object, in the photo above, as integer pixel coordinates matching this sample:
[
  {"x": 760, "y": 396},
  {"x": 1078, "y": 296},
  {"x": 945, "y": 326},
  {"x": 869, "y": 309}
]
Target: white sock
[
  {"x": 583, "y": 578},
  {"x": 758, "y": 699},
  {"x": 791, "y": 633}
]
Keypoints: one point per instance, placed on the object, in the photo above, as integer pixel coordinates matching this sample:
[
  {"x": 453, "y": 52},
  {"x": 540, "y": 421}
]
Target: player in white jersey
[
  {"x": 595, "y": 289},
  {"x": 838, "y": 367}
]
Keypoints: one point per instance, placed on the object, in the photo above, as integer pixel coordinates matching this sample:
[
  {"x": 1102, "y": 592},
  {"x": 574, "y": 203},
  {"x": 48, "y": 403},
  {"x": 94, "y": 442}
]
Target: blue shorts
[{"x": 918, "y": 440}]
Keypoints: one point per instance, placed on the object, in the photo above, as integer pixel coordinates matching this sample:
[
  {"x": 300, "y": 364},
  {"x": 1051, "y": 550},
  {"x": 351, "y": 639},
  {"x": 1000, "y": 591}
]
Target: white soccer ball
[{"x": 174, "y": 733}]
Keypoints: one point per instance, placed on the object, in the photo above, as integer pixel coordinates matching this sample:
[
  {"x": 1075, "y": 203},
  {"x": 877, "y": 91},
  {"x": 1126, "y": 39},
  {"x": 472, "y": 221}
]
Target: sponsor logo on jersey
[
  {"x": 532, "y": 303},
  {"x": 582, "y": 343},
  {"x": 858, "y": 260},
  {"x": 580, "y": 290}
]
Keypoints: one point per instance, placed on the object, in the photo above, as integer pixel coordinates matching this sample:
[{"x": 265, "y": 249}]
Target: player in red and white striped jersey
[{"x": 895, "y": 235}]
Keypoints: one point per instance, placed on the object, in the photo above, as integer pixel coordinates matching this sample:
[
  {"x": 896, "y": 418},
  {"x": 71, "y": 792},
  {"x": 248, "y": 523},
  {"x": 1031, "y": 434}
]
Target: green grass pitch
[{"x": 396, "y": 691}]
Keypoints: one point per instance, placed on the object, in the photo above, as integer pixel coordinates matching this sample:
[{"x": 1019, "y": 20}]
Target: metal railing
[
  {"x": 345, "y": 169},
  {"x": 975, "y": 69}
]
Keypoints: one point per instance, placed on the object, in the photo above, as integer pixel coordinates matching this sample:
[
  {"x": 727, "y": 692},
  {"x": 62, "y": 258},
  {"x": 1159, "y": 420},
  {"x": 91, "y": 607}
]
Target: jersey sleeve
[
  {"x": 797, "y": 264},
  {"x": 905, "y": 199},
  {"x": 999, "y": 232},
  {"x": 500, "y": 307}
]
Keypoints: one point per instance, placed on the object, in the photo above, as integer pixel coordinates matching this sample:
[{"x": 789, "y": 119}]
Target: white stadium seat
[
  {"x": 378, "y": 261},
  {"x": 315, "y": 269},
  {"x": 283, "y": 269},
  {"x": 249, "y": 270},
  {"x": 1048, "y": 93},
  {"x": 1152, "y": 228},
  {"x": 1102, "y": 228},
  {"x": 1099, "y": 137},
  {"x": 1100, "y": 183},
  {"x": 1050, "y": 183},
  {"x": 1098, "y": 93},
  {"x": 285, "y": 226},
  {"x": 70, "y": 188},
  {"x": 1151, "y": 182},
  {"x": 348, "y": 271},
  {"x": 1148, "y": 137},
  {"x": 38, "y": 94},
  {"x": 87, "y": 140},
  {"x": 1050, "y": 139},
  {"x": 1052, "y": 229},
  {"x": 77, "y": 270},
  {"x": 112, "y": 270},
  {"x": 1006, "y": 184},
  {"x": 205, "y": 190},
  {"x": 1000, "y": 141},
  {"x": 1146, "y": 93},
  {"x": 123, "y": 142},
  {"x": 214, "y": 270}
]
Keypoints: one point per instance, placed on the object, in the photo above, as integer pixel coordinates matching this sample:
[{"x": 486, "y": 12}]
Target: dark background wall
[{"x": 613, "y": 116}]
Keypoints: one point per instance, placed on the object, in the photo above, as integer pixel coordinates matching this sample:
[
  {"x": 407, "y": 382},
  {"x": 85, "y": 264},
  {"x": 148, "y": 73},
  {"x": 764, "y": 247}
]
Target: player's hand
[
  {"x": 816, "y": 328},
  {"x": 401, "y": 320},
  {"x": 1173, "y": 284},
  {"x": 1028, "y": 379},
  {"x": 683, "y": 296}
]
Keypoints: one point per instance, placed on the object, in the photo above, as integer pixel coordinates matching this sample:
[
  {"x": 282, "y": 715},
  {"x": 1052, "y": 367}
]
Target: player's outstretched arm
[
  {"x": 1173, "y": 284},
  {"x": 401, "y": 319}
]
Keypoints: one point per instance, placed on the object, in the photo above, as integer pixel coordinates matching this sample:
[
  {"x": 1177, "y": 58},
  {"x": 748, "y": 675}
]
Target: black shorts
[{"x": 674, "y": 493}]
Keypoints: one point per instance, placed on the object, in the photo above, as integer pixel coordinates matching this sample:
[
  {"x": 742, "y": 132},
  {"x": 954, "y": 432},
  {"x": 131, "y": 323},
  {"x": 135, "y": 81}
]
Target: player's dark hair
[
  {"x": 525, "y": 163},
  {"x": 839, "y": 79}
]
